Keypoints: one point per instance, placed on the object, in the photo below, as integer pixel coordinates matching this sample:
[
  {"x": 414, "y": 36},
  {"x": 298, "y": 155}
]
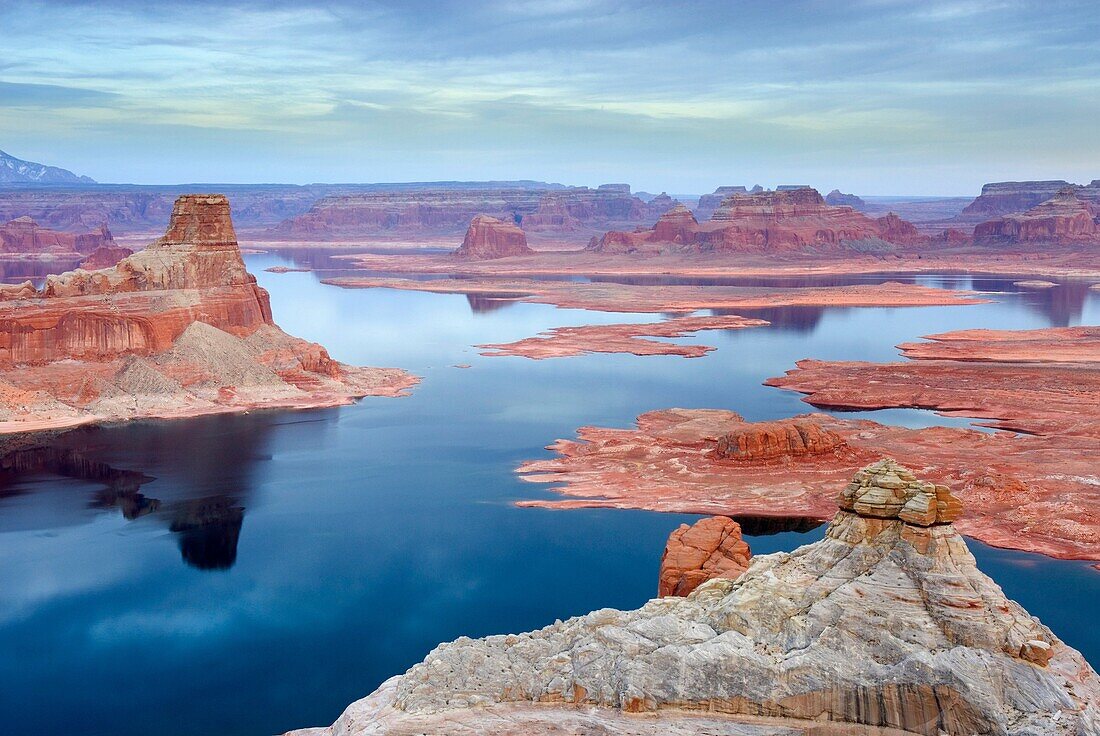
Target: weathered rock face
[
  {"x": 1064, "y": 218},
  {"x": 838, "y": 198},
  {"x": 708, "y": 549},
  {"x": 788, "y": 220},
  {"x": 105, "y": 257},
  {"x": 782, "y": 440},
  {"x": 23, "y": 235},
  {"x": 180, "y": 328},
  {"x": 488, "y": 237},
  {"x": 884, "y": 623}
]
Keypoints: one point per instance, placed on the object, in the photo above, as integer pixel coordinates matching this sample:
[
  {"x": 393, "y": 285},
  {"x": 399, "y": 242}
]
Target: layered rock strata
[
  {"x": 708, "y": 549},
  {"x": 1065, "y": 218},
  {"x": 487, "y": 237},
  {"x": 783, "y": 221},
  {"x": 885, "y": 623},
  {"x": 180, "y": 328}
]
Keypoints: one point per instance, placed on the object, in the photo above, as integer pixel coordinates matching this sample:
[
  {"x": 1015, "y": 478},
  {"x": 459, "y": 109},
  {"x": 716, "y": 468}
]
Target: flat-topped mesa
[
  {"x": 1065, "y": 218},
  {"x": 24, "y": 235},
  {"x": 1007, "y": 197},
  {"x": 200, "y": 221},
  {"x": 785, "y": 440},
  {"x": 782, "y": 221},
  {"x": 487, "y": 237},
  {"x": 884, "y": 623}
]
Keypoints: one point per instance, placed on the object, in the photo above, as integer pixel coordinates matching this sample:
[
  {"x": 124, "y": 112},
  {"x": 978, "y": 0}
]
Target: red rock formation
[
  {"x": 791, "y": 220},
  {"x": 487, "y": 237},
  {"x": 105, "y": 256},
  {"x": 179, "y": 328},
  {"x": 23, "y": 235},
  {"x": 1064, "y": 218},
  {"x": 710, "y": 548},
  {"x": 782, "y": 440}
]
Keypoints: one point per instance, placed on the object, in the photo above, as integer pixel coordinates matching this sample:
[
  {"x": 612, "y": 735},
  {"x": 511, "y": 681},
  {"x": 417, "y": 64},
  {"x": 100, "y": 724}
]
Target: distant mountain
[{"x": 13, "y": 170}]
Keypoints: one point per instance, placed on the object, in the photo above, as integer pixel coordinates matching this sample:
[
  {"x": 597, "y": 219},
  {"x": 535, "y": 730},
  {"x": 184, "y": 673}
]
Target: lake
[{"x": 256, "y": 573}]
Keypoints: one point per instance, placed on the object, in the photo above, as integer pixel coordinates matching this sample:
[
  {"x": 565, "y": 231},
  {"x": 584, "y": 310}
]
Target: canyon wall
[{"x": 24, "y": 236}]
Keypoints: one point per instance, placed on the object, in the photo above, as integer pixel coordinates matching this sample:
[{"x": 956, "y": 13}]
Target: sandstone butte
[
  {"x": 1041, "y": 387},
  {"x": 178, "y": 329},
  {"x": 788, "y": 220},
  {"x": 23, "y": 236},
  {"x": 710, "y": 548},
  {"x": 1063, "y": 219},
  {"x": 561, "y": 342},
  {"x": 487, "y": 237},
  {"x": 885, "y": 626}
]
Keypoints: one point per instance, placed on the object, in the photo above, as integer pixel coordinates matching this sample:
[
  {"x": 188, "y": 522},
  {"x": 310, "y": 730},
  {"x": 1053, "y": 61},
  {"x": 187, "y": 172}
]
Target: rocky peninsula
[
  {"x": 886, "y": 623},
  {"x": 179, "y": 329}
]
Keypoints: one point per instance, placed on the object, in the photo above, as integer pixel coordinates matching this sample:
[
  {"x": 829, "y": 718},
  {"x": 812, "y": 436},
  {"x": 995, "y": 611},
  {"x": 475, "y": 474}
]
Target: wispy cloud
[{"x": 678, "y": 96}]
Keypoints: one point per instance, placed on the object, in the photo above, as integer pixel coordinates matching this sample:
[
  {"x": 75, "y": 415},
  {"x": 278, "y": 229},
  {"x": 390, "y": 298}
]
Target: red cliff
[
  {"x": 105, "y": 256},
  {"x": 487, "y": 237}
]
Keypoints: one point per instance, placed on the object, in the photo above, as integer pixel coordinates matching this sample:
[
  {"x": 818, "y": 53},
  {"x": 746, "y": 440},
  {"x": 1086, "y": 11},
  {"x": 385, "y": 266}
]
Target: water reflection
[
  {"x": 207, "y": 524},
  {"x": 16, "y": 271},
  {"x": 483, "y": 303}
]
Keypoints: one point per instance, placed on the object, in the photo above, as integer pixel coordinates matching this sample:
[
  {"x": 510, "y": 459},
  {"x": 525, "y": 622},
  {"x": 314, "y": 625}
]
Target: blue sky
[{"x": 871, "y": 96}]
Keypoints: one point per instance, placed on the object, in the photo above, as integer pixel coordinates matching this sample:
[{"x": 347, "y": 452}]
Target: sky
[{"x": 885, "y": 97}]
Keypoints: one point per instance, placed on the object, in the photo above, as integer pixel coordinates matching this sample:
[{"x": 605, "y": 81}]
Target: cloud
[{"x": 802, "y": 85}]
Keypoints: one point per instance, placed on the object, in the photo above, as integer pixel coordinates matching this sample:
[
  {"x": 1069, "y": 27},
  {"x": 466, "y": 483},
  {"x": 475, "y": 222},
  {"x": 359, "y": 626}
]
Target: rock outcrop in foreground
[
  {"x": 789, "y": 220},
  {"x": 885, "y": 623},
  {"x": 487, "y": 237},
  {"x": 178, "y": 329}
]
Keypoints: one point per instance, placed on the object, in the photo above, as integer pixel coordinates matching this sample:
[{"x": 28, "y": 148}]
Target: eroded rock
[{"x": 883, "y": 623}]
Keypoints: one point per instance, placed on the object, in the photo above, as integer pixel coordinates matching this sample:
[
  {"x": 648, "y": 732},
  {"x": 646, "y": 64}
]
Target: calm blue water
[{"x": 251, "y": 574}]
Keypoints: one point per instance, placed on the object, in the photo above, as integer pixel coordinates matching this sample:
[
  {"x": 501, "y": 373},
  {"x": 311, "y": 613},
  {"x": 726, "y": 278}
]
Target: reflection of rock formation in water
[
  {"x": 203, "y": 499},
  {"x": 482, "y": 304},
  {"x": 788, "y": 319},
  {"x": 886, "y": 623},
  {"x": 209, "y": 529}
]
